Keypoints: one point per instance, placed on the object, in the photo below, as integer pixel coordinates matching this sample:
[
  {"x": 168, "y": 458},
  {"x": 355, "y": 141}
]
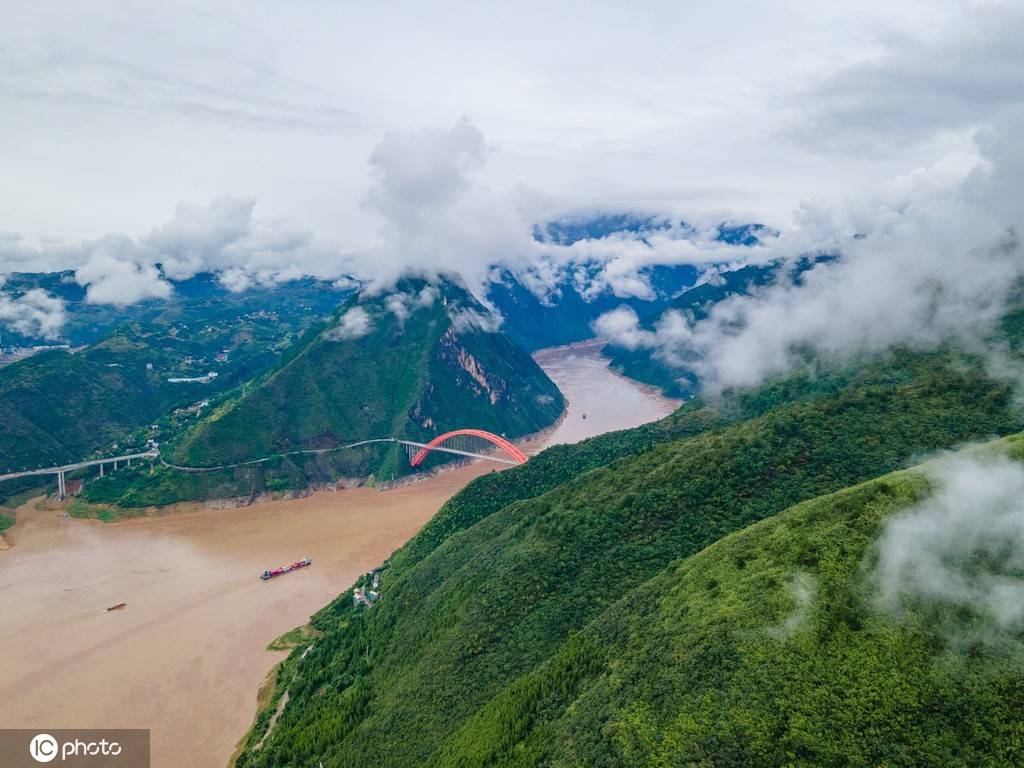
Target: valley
[{"x": 187, "y": 654}]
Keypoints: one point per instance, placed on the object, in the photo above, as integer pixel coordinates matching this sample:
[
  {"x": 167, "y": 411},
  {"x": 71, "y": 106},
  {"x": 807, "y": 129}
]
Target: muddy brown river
[{"x": 187, "y": 654}]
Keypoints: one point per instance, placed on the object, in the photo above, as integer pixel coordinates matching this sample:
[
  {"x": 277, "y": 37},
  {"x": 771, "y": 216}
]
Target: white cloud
[
  {"x": 401, "y": 304},
  {"x": 34, "y": 313},
  {"x": 621, "y": 326},
  {"x": 228, "y": 238},
  {"x": 354, "y": 324},
  {"x": 932, "y": 258},
  {"x": 962, "y": 547},
  {"x": 225, "y": 237},
  {"x": 113, "y": 275},
  {"x": 436, "y": 218},
  {"x": 468, "y": 319}
]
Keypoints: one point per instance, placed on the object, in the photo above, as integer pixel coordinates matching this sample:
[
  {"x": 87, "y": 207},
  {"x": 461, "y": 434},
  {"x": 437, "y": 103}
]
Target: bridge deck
[
  {"x": 155, "y": 454},
  {"x": 79, "y": 465}
]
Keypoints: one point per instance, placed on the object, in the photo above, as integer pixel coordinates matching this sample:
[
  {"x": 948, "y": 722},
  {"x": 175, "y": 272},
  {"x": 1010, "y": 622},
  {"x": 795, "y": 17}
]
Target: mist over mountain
[{"x": 634, "y": 350}]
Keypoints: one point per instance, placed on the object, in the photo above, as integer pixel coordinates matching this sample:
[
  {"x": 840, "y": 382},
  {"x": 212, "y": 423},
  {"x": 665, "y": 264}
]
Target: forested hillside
[
  {"x": 770, "y": 648},
  {"x": 58, "y": 406},
  {"x": 412, "y": 363},
  {"x": 486, "y": 647}
]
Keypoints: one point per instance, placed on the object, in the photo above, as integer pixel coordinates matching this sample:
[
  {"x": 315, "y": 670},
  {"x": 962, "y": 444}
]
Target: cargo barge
[{"x": 287, "y": 568}]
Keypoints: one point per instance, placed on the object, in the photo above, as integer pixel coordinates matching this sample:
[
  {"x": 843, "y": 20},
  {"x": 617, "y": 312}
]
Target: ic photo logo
[
  {"x": 43, "y": 747},
  {"x": 74, "y": 747}
]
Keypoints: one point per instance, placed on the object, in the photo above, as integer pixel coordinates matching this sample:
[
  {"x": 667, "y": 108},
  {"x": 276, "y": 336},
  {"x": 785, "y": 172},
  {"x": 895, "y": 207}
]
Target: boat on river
[{"x": 286, "y": 568}]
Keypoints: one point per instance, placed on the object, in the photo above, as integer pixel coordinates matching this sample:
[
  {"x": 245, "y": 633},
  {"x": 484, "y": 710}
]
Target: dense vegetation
[
  {"x": 58, "y": 407},
  {"x": 415, "y": 373},
  {"x": 530, "y": 621},
  {"x": 764, "y": 649}
]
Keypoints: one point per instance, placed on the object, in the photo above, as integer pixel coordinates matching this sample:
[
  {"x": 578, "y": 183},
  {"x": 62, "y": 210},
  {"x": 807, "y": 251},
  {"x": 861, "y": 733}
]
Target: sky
[
  {"x": 146, "y": 142},
  {"x": 114, "y": 113}
]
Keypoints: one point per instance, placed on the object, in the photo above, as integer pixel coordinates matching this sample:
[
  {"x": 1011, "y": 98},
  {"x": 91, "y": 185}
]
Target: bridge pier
[
  {"x": 101, "y": 469},
  {"x": 62, "y": 492}
]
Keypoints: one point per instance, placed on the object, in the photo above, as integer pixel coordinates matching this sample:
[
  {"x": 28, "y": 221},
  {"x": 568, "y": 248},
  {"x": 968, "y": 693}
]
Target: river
[{"x": 186, "y": 656}]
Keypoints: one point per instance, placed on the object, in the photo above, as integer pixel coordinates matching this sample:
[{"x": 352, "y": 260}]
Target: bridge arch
[{"x": 492, "y": 438}]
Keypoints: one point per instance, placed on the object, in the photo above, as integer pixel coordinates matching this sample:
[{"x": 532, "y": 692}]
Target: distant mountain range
[
  {"x": 564, "y": 310},
  {"x": 566, "y": 315}
]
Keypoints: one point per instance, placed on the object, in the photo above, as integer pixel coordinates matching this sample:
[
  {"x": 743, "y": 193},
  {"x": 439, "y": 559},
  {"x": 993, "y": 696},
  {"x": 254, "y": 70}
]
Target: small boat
[
  {"x": 286, "y": 568},
  {"x": 117, "y": 607}
]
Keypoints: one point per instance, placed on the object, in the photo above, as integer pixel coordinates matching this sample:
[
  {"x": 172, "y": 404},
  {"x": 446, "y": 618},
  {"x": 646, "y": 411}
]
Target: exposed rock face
[
  {"x": 472, "y": 367},
  {"x": 483, "y": 382}
]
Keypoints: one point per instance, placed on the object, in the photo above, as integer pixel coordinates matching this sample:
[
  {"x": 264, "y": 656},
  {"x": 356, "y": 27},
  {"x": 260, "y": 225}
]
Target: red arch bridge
[{"x": 470, "y": 442}]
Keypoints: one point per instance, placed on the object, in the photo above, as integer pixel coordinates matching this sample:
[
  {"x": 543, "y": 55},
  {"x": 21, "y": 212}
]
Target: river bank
[{"x": 186, "y": 656}]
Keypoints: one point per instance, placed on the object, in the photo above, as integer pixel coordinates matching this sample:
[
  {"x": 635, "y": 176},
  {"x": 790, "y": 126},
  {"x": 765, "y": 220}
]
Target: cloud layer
[
  {"x": 962, "y": 548},
  {"x": 34, "y": 313},
  {"x": 924, "y": 263}
]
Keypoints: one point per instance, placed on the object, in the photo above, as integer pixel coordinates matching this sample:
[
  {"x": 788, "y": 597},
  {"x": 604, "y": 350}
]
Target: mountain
[
  {"x": 578, "y": 611},
  {"x": 566, "y": 314},
  {"x": 557, "y": 306},
  {"x": 62, "y": 405},
  {"x": 414, "y": 362},
  {"x": 695, "y": 303},
  {"x": 766, "y": 649}
]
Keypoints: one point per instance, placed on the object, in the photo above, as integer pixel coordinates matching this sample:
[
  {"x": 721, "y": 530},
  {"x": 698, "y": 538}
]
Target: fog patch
[
  {"x": 401, "y": 305},
  {"x": 957, "y": 558},
  {"x": 354, "y": 324},
  {"x": 466, "y": 319},
  {"x": 34, "y": 313},
  {"x": 803, "y": 591}
]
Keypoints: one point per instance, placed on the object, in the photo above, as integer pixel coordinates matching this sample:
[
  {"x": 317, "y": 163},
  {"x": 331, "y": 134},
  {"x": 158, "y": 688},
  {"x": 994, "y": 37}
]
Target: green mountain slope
[
  {"x": 493, "y": 593},
  {"x": 767, "y": 648},
  {"x": 57, "y": 407},
  {"x": 413, "y": 363}
]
